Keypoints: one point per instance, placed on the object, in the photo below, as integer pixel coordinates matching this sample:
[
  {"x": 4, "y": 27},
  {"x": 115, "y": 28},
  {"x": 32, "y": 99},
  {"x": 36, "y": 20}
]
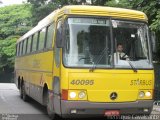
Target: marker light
[
  {"x": 141, "y": 94},
  {"x": 82, "y": 95},
  {"x": 148, "y": 94},
  {"x": 72, "y": 95}
]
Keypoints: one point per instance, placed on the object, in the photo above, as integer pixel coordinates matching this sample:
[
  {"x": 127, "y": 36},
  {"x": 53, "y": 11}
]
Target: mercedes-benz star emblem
[{"x": 113, "y": 95}]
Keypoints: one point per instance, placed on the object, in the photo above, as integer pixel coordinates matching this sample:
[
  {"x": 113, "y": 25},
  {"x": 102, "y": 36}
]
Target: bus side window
[
  {"x": 17, "y": 48},
  {"x": 29, "y": 45},
  {"x": 20, "y": 49},
  {"x": 41, "y": 39},
  {"x": 24, "y": 47},
  {"x": 49, "y": 38},
  {"x": 34, "y": 42},
  {"x": 38, "y": 36}
]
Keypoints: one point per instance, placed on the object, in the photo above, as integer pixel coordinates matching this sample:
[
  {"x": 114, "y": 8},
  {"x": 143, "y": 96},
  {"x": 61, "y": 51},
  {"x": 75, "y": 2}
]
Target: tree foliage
[
  {"x": 14, "y": 22},
  {"x": 38, "y": 13},
  {"x": 121, "y": 3},
  {"x": 41, "y": 8},
  {"x": 7, "y": 53}
]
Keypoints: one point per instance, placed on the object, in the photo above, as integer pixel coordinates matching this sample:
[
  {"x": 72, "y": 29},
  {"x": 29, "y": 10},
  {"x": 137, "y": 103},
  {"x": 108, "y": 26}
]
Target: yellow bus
[{"x": 70, "y": 62}]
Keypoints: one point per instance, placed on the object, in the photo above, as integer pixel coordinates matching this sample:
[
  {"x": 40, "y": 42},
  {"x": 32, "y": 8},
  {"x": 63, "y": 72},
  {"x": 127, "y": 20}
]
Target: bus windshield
[
  {"x": 89, "y": 41},
  {"x": 134, "y": 39}
]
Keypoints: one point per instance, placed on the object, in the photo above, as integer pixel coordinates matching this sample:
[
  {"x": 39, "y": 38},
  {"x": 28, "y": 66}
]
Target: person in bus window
[{"x": 119, "y": 54}]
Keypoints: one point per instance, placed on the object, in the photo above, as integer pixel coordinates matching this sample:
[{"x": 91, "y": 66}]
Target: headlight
[
  {"x": 72, "y": 95},
  {"x": 141, "y": 94},
  {"x": 82, "y": 95},
  {"x": 148, "y": 94}
]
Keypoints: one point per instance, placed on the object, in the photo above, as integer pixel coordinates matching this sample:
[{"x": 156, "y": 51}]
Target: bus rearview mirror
[{"x": 59, "y": 42}]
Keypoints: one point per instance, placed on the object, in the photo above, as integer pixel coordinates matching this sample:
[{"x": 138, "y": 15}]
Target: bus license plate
[{"x": 110, "y": 113}]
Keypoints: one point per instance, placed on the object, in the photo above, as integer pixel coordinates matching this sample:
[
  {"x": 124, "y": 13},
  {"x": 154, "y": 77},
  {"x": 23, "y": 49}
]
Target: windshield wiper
[
  {"x": 132, "y": 66},
  {"x": 98, "y": 60}
]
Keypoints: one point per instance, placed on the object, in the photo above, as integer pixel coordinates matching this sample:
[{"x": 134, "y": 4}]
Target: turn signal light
[{"x": 64, "y": 94}]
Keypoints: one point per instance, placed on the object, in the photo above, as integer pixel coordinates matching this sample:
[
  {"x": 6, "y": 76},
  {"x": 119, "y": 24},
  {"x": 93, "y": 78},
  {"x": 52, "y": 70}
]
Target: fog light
[
  {"x": 141, "y": 94},
  {"x": 82, "y": 95},
  {"x": 72, "y": 95},
  {"x": 145, "y": 110},
  {"x": 73, "y": 111},
  {"x": 148, "y": 94}
]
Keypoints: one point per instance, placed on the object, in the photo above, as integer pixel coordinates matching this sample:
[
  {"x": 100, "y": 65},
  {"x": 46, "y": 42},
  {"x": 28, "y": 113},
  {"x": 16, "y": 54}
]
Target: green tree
[
  {"x": 14, "y": 22},
  {"x": 119, "y": 3},
  {"x": 41, "y": 8},
  {"x": 38, "y": 13},
  {"x": 7, "y": 53}
]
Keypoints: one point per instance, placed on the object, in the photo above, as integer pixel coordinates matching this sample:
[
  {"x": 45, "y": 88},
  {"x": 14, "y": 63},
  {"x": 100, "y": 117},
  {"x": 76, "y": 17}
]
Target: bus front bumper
[{"x": 85, "y": 108}]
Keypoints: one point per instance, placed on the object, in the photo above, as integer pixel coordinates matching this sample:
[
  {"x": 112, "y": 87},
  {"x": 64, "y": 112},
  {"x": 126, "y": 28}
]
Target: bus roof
[
  {"x": 119, "y": 13},
  {"x": 104, "y": 11}
]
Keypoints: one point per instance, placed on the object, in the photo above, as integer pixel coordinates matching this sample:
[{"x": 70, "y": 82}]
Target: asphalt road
[{"x": 12, "y": 107}]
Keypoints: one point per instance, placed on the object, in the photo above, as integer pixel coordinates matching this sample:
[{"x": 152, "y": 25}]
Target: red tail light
[{"x": 64, "y": 95}]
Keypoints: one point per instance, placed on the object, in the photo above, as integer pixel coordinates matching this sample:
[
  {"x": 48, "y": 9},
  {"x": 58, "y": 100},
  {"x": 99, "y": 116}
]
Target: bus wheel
[
  {"x": 50, "y": 110},
  {"x": 24, "y": 95}
]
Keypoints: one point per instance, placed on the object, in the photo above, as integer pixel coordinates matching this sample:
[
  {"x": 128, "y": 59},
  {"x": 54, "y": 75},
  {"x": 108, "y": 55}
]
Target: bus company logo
[{"x": 113, "y": 95}]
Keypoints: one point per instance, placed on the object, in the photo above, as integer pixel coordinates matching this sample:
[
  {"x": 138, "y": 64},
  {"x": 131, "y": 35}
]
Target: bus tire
[
  {"x": 25, "y": 97},
  {"x": 50, "y": 110}
]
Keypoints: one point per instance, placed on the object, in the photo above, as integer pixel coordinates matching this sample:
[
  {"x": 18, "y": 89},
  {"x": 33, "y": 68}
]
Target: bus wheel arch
[
  {"x": 48, "y": 102},
  {"x": 23, "y": 93}
]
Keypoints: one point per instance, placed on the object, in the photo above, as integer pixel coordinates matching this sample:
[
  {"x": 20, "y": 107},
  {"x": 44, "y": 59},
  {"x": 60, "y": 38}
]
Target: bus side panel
[{"x": 35, "y": 71}]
